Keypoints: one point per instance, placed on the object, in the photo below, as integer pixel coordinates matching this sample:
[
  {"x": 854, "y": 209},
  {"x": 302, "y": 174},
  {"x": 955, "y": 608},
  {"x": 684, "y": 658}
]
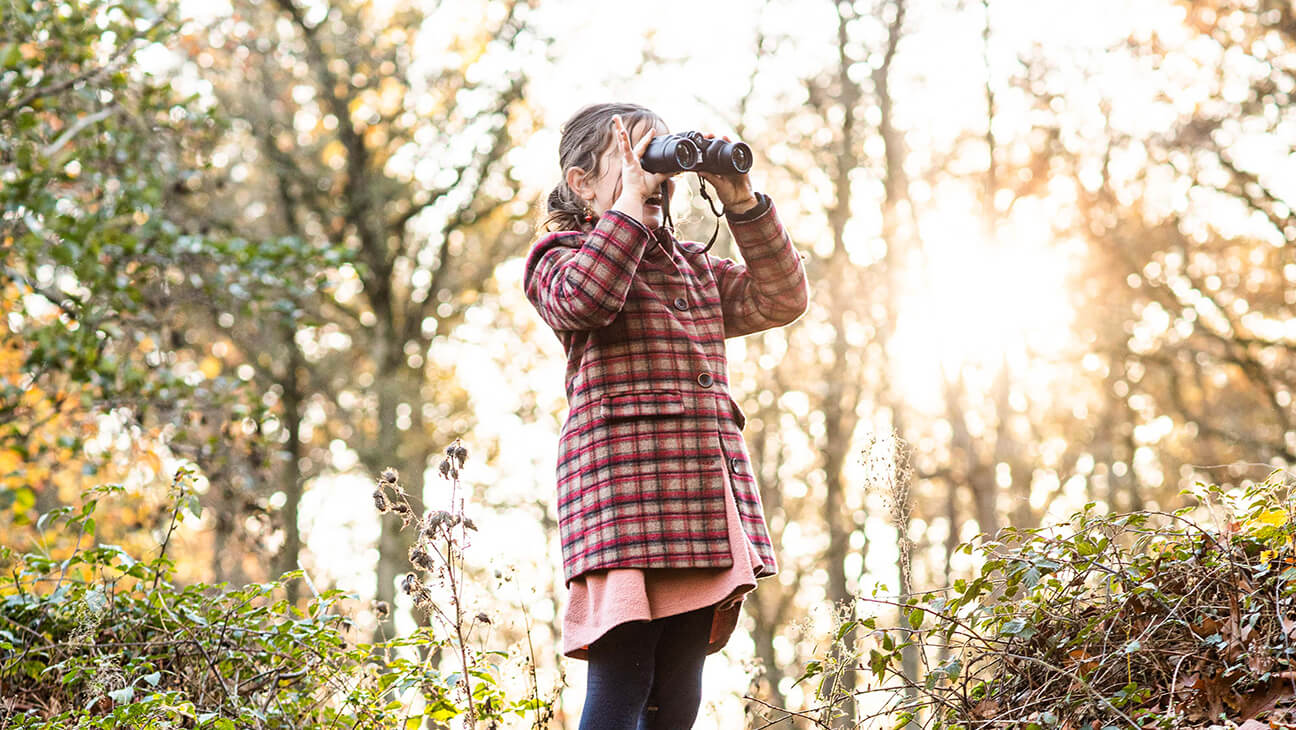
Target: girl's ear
[{"x": 578, "y": 181}]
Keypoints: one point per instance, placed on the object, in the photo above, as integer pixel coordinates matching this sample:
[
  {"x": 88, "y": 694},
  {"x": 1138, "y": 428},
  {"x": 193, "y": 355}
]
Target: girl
[{"x": 659, "y": 515}]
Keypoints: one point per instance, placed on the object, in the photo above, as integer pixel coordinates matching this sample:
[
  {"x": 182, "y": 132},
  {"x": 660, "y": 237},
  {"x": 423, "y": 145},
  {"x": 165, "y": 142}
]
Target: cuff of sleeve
[
  {"x": 761, "y": 208},
  {"x": 626, "y": 220}
]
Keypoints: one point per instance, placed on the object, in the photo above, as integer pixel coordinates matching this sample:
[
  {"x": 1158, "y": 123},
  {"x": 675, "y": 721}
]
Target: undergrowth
[
  {"x": 105, "y": 639},
  {"x": 1147, "y": 620}
]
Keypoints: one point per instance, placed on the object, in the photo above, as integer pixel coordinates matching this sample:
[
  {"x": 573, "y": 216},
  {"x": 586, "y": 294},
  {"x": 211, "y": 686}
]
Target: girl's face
[{"x": 607, "y": 186}]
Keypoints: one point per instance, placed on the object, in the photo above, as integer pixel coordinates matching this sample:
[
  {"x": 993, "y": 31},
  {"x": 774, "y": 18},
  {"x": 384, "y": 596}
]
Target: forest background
[{"x": 254, "y": 253}]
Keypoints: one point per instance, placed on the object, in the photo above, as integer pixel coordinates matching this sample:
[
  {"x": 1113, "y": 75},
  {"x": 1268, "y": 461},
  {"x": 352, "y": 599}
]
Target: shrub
[
  {"x": 105, "y": 639},
  {"x": 1147, "y": 620}
]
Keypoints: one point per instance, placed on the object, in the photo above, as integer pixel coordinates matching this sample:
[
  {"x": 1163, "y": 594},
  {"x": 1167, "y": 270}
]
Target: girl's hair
[{"x": 584, "y": 138}]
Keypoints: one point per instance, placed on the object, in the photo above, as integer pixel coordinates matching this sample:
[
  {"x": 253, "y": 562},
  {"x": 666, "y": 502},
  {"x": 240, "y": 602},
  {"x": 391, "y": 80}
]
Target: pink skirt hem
[{"x": 602, "y": 599}]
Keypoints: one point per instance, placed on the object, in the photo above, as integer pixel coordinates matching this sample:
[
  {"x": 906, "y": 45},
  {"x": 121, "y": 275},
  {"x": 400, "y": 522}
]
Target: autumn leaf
[
  {"x": 210, "y": 367},
  {"x": 1275, "y": 517}
]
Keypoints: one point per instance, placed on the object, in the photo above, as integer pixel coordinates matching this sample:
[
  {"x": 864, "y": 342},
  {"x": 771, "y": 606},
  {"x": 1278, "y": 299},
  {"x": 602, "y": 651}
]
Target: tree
[
  {"x": 347, "y": 138},
  {"x": 1189, "y": 295},
  {"x": 837, "y": 355}
]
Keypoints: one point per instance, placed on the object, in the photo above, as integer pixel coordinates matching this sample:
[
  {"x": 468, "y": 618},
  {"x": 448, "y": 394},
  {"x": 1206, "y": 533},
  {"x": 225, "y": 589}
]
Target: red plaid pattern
[{"x": 651, "y": 423}]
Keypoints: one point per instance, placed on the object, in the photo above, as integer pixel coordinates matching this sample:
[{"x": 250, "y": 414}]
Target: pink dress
[{"x": 601, "y": 599}]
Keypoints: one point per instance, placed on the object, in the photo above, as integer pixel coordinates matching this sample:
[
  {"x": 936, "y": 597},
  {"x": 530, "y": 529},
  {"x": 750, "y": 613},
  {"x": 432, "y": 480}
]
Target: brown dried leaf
[
  {"x": 1265, "y": 699},
  {"x": 1207, "y": 627},
  {"x": 987, "y": 709},
  {"x": 1084, "y": 661},
  {"x": 1259, "y": 661},
  {"x": 1288, "y": 626}
]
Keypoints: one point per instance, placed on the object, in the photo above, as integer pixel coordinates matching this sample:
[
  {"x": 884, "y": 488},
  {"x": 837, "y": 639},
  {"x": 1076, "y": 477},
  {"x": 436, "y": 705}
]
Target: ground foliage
[
  {"x": 106, "y": 639},
  {"x": 1147, "y": 619}
]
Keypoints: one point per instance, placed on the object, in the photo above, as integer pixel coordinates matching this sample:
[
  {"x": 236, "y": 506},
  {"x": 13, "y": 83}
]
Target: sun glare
[{"x": 970, "y": 302}]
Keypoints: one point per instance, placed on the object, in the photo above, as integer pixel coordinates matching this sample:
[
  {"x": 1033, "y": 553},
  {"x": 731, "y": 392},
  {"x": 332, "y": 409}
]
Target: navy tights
[{"x": 647, "y": 675}]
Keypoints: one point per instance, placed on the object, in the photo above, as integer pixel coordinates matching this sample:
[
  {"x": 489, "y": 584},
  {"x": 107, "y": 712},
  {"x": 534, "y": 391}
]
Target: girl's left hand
[{"x": 735, "y": 191}]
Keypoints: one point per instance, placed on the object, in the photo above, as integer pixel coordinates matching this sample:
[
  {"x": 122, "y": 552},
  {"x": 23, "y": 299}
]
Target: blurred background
[{"x": 1051, "y": 246}]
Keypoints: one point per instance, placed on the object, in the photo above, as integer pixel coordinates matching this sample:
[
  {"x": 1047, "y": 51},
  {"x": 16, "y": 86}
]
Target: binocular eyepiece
[{"x": 692, "y": 152}]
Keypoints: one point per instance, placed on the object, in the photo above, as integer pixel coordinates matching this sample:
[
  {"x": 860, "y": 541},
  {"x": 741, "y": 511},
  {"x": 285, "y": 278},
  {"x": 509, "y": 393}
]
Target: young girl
[{"x": 660, "y": 518}]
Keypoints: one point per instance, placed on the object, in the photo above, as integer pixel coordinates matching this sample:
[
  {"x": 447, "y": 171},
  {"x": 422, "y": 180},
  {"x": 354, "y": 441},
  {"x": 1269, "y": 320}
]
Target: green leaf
[
  {"x": 813, "y": 668},
  {"x": 845, "y": 629},
  {"x": 1017, "y": 627},
  {"x": 194, "y": 505}
]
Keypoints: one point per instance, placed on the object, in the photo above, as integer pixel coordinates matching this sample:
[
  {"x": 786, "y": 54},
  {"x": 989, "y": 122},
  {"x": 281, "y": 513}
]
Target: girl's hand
[
  {"x": 735, "y": 191},
  {"x": 637, "y": 184}
]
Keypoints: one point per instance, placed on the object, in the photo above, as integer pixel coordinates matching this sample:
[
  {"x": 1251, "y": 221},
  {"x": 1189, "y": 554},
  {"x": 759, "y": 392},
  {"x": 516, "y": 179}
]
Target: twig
[
  {"x": 789, "y": 713},
  {"x": 175, "y": 517},
  {"x": 76, "y": 129}
]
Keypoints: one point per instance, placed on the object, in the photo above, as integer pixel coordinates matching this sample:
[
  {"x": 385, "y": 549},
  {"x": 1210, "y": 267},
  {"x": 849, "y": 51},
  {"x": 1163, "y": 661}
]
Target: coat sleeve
[
  {"x": 769, "y": 288},
  {"x": 580, "y": 283}
]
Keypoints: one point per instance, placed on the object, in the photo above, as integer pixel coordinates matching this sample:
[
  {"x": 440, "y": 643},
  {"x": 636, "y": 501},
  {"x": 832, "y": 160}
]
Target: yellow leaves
[
  {"x": 334, "y": 154},
  {"x": 1275, "y": 517},
  {"x": 11, "y": 360},
  {"x": 391, "y": 96},
  {"x": 151, "y": 460},
  {"x": 210, "y": 367},
  {"x": 1266, "y": 525},
  {"x": 10, "y": 461}
]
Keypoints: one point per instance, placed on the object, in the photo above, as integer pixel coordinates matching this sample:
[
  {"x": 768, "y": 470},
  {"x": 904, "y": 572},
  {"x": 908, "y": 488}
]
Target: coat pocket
[
  {"x": 739, "y": 417},
  {"x": 642, "y": 404}
]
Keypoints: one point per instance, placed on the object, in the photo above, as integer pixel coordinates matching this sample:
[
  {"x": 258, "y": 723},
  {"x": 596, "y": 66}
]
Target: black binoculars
[{"x": 692, "y": 152}]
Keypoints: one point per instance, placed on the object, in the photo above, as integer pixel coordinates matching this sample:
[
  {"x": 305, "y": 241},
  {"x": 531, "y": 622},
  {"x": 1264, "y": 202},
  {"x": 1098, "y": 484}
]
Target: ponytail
[{"x": 564, "y": 211}]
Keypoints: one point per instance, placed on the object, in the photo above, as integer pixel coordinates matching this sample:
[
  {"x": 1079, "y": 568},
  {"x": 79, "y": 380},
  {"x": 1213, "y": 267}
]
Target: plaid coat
[{"x": 651, "y": 423}]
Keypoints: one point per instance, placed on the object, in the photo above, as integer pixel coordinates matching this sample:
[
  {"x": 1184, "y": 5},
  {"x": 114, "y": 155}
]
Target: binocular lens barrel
[
  {"x": 671, "y": 153},
  {"x": 686, "y": 155},
  {"x": 692, "y": 151},
  {"x": 736, "y": 156}
]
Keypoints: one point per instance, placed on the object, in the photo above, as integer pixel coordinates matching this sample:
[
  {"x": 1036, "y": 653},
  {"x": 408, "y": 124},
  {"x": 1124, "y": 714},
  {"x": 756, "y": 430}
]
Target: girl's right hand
[{"x": 637, "y": 184}]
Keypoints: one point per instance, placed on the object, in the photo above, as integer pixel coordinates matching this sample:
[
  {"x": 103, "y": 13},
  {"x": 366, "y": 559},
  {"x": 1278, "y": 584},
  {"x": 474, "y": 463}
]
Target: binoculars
[{"x": 692, "y": 152}]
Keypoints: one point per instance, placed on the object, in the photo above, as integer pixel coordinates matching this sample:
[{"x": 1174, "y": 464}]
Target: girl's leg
[
  {"x": 621, "y": 664},
  {"x": 677, "y": 679}
]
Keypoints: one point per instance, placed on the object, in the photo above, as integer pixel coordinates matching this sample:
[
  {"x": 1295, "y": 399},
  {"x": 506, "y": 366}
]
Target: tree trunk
[{"x": 291, "y": 476}]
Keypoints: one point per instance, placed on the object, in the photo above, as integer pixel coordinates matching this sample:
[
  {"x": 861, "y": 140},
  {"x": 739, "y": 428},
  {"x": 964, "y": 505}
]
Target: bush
[
  {"x": 103, "y": 639},
  {"x": 1147, "y": 620}
]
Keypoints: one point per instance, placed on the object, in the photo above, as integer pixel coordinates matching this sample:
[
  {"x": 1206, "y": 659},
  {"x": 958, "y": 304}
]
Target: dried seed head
[
  {"x": 461, "y": 454},
  {"x": 444, "y": 468},
  {"x": 382, "y": 609},
  {"x": 411, "y": 585},
  {"x": 380, "y": 501},
  {"x": 483, "y": 618},
  {"x": 420, "y": 558},
  {"x": 389, "y": 475},
  {"x": 400, "y": 508},
  {"x": 423, "y": 600},
  {"x": 467, "y": 521},
  {"x": 433, "y": 522}
]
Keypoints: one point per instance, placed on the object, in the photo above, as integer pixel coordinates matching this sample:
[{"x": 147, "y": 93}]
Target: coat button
[
  {"x": 681, "y": 303},
  {"x": 705, "y": 380},
  {"x": 736, "y": 466}
]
